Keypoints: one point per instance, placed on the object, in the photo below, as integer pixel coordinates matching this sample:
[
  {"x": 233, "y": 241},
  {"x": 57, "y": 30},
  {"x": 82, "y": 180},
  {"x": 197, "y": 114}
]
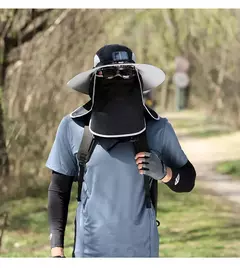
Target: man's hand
[
  {"x": 149, "y": 164},
  {"x": 57, "y": 251}
]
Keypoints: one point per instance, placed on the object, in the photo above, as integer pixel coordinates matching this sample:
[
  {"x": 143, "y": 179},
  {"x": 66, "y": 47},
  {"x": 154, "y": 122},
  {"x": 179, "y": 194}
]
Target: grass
[
  {"x": 207, "y": 133},
  {"x": 197, "y": 225},
  {"x": 193, "y": 224},
  {"x": 199, "y": 126},
  {"x": 231, "y": 167}
]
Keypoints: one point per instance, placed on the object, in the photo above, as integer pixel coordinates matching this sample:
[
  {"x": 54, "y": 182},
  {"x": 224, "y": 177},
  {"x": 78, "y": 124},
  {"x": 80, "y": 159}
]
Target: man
[{"x": 115, "y": 216}]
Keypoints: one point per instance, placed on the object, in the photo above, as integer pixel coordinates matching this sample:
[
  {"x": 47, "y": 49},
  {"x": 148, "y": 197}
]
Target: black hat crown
[{"x": 111, "y": 54}]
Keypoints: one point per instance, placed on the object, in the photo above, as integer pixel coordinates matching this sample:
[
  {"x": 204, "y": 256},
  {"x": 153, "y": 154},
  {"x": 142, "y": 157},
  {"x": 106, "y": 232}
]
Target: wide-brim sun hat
[{"x": 113, "y": 55}]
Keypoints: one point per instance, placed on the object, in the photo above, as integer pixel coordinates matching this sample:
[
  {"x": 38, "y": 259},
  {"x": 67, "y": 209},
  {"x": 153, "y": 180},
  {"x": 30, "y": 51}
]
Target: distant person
[
  {"x": 118, "y": 149},
  {"x": 182, "y": 82}
]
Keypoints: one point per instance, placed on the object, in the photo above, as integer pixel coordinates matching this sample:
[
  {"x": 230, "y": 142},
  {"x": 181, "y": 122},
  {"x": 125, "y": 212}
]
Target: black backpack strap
[
  {"x": 141, "y": 145},
  {"x": 86, "y": 148},
  {"x": 154, "y": 194},
  {"x": 150, "y": 185}
]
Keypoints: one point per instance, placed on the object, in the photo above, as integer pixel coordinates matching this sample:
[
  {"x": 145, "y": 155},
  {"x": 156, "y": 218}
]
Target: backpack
[{"x": 140, "y": 144}]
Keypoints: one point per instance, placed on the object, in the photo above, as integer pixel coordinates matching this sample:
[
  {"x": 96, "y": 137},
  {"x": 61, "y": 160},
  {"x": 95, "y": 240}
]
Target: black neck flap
[
  {"x": 116, "y": 109},
  {"x": 84, "y": 112}
]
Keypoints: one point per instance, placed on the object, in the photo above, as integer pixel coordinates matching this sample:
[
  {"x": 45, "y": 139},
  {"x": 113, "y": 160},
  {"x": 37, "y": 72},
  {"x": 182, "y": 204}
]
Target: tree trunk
[{"x": 4, "y": 163}]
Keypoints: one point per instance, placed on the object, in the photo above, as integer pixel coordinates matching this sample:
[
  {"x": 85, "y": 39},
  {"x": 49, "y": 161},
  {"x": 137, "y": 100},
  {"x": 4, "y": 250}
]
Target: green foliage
[
  {"x": 231, "y": 167},
  {"x": 169, "y": 30},
  {"x": 207, "y": 37}
]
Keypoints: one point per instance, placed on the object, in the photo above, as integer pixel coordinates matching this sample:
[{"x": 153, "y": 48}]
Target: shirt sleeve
[
  {"x": 61, "y": 158},
  {"x": 172, "y": 153}
]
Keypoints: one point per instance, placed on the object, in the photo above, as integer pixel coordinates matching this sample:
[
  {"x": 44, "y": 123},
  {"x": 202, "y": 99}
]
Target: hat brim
[{"x": 151, "y": 76}]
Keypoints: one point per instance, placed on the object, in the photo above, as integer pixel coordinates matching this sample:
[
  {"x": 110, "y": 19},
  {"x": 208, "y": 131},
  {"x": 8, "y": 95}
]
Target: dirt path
[{"x": 204, "y": 153}]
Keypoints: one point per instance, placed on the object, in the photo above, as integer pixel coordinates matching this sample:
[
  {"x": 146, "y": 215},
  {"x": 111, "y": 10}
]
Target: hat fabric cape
[{"x": 102, "y": 116}]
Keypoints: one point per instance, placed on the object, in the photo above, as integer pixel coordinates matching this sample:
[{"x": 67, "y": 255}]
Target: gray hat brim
[{"x": 151, "y": 76}]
